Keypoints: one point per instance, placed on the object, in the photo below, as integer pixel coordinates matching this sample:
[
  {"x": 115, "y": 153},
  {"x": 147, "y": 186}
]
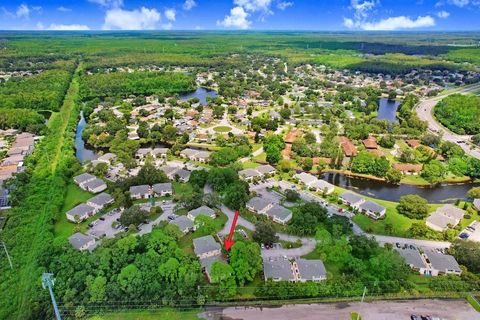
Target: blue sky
[{"x": 324, "y": 15}]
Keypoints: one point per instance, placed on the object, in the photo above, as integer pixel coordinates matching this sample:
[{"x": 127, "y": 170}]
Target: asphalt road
[
  {"x": 425, "y": 113},
  {"x": 378, "y": 310}
]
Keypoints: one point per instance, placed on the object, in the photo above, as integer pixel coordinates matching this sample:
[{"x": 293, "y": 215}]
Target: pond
[
  {"x": 83, "y": 154},
  {"x": 387, "y": 109},
  {"x": 201, "y": 93},
  {"x": 386, "y": 191}
]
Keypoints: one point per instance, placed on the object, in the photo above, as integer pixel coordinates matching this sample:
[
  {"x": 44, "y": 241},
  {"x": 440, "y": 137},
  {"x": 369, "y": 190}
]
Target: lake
[
  {"x": 391, "y": 192},
  {"x": 83, "y": 154},
  {"x": 387, "y": 109},
  {"x": 201, "y": 93}
]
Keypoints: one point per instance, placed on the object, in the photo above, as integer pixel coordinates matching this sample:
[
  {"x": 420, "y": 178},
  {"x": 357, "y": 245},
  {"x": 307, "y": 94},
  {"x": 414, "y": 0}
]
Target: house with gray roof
[
  {"x": 142, "y": 153},
  {"x": 189, "y": 153},
  {"x": 444, "y": 217},
  {"x": 278, "y": 269},
  {"x": 372, "y": 209},
  {"x": 107, "y": 158},
  {"x": 351, "y": 199},
  {"x": 259, "y": 205},
  {"x": 201, "y": 156},
  {"x": 80, "y": 213},
  {"x": 279, "y": 214},
  {"x": 182, "y": 174},
  {"x": 140, "y": 192},
  {"x": 207, "y": 263},
  {"x": 183, "y": 223},
  {"x": 95, "y": 186},
  {"x": 322, "y": 186},
  {"x": 442, "y": 264},
  {"x": 413, "y": 259},
  {"x": 169, "y": 171},
  {"x": 83, "y": 178},
  {"x": 266, "y": 170},
  {"x": 310, "y": 270},
  {"x": 100, "y": 201},
  {"x": 201, "y": 211},
  {"x": 162, "y": 189},
  {"x": 205, "y": 247},
  {"x": 476, "y": 204},
  {"x": 160, "y": 153},
  {"x": 249, "y": 174},
  {"x": 82, "y": 242},
  {"x": 306, "y": 178}
]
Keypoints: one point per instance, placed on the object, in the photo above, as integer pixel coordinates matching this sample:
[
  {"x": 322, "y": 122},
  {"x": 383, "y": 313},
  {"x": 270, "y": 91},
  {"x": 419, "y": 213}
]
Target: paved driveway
[
  {"x": 104, "y": 228},
  {"x": 167, "y": 208}
]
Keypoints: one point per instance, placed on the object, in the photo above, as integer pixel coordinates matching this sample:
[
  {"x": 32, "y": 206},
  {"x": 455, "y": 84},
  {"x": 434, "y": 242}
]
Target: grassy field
[
  {"x": 397, "y": 223},
  {"x": 222, "y": 129},
  {"x": 164, "y": 314},
  {"x": 474, "y": 302}
]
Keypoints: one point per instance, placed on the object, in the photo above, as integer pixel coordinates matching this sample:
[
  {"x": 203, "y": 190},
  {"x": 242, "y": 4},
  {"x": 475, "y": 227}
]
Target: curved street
[{"x": 425, "y": 113}]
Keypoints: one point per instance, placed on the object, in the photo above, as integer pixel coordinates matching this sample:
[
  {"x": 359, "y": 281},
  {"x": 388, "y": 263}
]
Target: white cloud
[
  {"x": 237, "y": 19},
  {"x": 393, "y": 23},
  {"x": 138, "y": 19},
  {"x": 23, "y": 11},
  {"x": 362, "y": 8},
  {"x": 108, "y": 3},
  {"x": 254, "y": 5},
  {"x": 284, "y": 5},
  {"x": 189, "y": 4},
  {"x": 347, "y": 22},
  {"x": 443, "y": 14},
  {"x": 361, "y": 19},
  {"x": 170, "y": 14},
  {"x": 64, "y": 9},
  {"x": 459, "y": 3}
]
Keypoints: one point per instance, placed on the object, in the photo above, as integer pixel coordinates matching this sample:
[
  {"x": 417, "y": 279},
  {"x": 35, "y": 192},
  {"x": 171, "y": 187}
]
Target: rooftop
[
  {"x": 311, "y": 269},
  {"x": 204, "y": 245},
  {"x": 279, "y": 269}
]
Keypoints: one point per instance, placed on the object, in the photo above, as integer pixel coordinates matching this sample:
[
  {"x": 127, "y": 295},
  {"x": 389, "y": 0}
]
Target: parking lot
[{"x": 103, "y": 228}]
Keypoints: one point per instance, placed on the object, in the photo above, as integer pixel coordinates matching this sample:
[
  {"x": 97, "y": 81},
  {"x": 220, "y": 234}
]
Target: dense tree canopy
[
  {"x": 413, "y": 206},
  {"x": 124, "y": 83},
  {"x": 459, "y": 113}
]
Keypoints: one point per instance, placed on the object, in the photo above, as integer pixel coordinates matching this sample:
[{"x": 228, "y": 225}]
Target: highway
[{"x": 425, "y": 113}]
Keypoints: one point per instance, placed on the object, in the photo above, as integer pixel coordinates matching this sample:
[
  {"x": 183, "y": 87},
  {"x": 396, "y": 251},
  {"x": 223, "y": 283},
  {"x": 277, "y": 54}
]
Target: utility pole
[
  {"x": 364, "y": 292},
  {"x": 8, "y": 256},
  {"x": 49, "y": 282}
]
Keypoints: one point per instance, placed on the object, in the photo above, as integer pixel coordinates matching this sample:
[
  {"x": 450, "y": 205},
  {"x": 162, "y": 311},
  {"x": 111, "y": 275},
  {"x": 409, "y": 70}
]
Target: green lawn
[
  {"x": 182, "y": 188},
  {"x": 169, "y": 314},
  {"x": 399, "y": 223},
  {"x": 474, "y": 302},
  {"x": 73, "y": 197},
  {"x": 261, "y": 157},
  {"x": 222, "y": 129},
  {"x": 249, "y": 165}
]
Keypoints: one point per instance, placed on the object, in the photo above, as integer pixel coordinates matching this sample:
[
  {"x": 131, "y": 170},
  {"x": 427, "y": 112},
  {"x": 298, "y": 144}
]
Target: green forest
[
  {"x": 460, "y": 113},
  {"x": 122, "y": 84}
]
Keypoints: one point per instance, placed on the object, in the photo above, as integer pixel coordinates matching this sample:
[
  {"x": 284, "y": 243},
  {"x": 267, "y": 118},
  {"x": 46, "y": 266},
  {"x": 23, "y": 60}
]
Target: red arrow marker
[{"x": 228, "y": 242}]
